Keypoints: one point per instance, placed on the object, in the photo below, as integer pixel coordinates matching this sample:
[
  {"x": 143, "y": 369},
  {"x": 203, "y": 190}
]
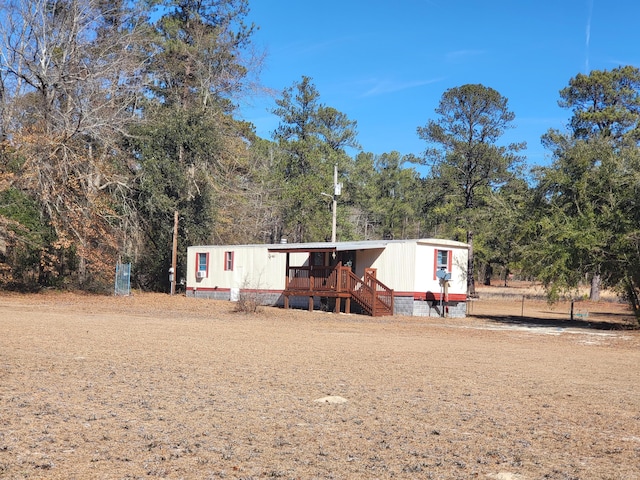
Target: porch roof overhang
[{"x": 328, "y": 246}]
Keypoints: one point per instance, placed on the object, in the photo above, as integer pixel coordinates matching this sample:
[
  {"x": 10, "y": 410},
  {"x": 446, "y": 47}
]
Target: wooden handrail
[
  {"x": 315, "y": 278},
  {"x": 369, "y": 292},
  {"x": 373, "y": 295}
]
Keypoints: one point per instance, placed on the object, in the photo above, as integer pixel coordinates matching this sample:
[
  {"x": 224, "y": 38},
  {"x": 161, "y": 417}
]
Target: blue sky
[{"x": 386, "y": 64}]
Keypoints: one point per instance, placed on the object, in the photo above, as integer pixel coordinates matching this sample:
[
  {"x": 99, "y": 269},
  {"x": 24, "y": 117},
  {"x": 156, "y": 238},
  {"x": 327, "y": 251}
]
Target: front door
[{"x": 348, "y": 259}]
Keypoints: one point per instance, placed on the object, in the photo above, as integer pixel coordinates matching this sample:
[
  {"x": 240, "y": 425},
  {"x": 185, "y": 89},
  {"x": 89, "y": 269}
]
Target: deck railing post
[
  {"x": 311, "y": 278},
  {"x": 286, "y": 273}
]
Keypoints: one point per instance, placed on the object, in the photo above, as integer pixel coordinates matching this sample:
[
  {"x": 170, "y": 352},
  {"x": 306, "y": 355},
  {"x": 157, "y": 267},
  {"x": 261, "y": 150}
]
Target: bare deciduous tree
[{"x": 71, "y": 74}]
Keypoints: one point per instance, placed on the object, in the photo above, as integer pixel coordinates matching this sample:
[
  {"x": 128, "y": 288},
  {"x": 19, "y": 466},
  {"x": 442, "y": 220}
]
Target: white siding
[
  {"x": 403, "y": 265},
  {"x": 253, "y": 267},
  {"x": 459, "y": 281},
  {"x": 396, "y": 266},
  {"x": 425, "y": 260}
]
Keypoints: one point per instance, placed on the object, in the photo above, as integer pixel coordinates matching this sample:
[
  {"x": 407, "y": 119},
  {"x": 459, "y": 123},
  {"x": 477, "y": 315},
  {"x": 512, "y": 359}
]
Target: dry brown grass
[
  {"x": 153, "y": 386},
  {"x": 536, "y": 291}
]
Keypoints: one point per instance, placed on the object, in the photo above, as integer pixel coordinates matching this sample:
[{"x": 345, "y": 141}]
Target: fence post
[{"x": 572, "y": 309}]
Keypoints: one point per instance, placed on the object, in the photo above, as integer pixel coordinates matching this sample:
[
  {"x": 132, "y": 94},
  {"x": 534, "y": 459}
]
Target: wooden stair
[
  {"x": 339, "y": 282},
  {"x": 373, "y": 296}
]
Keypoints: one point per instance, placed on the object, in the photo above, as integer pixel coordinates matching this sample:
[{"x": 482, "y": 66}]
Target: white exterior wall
[
  {"x": 408, "y": 265},
  {"x": 404, "y": 265},
  {"x": 425, "y": 260},
  {"x": 395, "y": 264},
  {"x": 253, "y": 267},
  {"x": 458, "y": 283}
]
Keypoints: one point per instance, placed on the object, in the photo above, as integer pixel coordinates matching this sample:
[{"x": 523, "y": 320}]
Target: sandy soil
[{"x": 153, "y": 386}]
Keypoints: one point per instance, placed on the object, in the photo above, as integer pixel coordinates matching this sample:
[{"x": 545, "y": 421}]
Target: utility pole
[
  {"x": 337, "y": 190},
  {"x": 174, "y": 254},
  {"x": 334, "y": 209}
]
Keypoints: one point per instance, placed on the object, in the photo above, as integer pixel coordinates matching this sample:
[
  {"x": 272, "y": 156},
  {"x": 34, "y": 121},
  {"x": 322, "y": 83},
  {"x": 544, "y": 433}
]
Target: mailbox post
[{"x": 444, "y": 278}]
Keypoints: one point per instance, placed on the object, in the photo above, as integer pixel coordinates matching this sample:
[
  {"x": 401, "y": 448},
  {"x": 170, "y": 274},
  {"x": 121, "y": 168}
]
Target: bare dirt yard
[{"x": 153, "y": 386}]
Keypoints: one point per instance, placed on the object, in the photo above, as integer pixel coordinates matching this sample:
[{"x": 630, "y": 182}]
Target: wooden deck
[{"x": 339, "y": 282}]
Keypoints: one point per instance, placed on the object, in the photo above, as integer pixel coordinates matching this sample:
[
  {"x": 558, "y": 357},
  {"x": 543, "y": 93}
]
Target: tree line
[{"x": 114, "y": 115}]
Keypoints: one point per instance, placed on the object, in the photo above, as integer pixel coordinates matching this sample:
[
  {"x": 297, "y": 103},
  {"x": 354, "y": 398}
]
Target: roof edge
[{"x": 340, "y": 246}]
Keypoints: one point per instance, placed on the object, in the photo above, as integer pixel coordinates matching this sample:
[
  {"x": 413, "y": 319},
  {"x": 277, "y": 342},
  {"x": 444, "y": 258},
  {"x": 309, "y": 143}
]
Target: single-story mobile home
[{"x": 423, "y": 277}]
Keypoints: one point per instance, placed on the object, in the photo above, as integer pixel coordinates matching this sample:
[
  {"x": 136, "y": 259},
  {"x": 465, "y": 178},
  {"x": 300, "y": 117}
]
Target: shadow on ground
[{"x": 617, "y": 322}]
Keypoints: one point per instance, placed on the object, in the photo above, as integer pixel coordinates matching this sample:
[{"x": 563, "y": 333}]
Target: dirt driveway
[{"x": 152, "y": 386}]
